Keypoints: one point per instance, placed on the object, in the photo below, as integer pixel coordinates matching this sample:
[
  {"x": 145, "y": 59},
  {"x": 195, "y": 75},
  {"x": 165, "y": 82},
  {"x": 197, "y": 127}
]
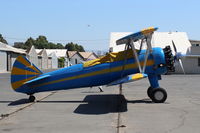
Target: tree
[
  {"x": 59, "y": 46},
  {"x": 70, "y": 46},
  {"x": 3, "y": 40},
  {"x": 52, "y": 45},
  {"x": 27, "y": 45},
  {"x": 80, "y": 48},
  {"x": 18, "y": 44},
  {"x": 74, "y": 47},
  {"x": 41, "y": 42}
]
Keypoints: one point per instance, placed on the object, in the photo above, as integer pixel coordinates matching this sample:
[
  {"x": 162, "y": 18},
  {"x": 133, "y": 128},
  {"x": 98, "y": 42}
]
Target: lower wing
[{"x": 129, "y": 78}]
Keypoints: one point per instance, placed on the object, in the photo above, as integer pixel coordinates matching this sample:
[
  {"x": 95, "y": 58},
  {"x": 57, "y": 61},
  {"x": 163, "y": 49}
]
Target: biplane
[{"x": 115, "y": 68}]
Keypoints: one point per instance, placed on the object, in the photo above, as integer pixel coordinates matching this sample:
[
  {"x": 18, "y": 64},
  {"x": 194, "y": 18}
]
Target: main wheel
[
  {"x": 159, "y": 95},
  {"x": 31, "y": 98},
  {"x": 149, "y": 92}
]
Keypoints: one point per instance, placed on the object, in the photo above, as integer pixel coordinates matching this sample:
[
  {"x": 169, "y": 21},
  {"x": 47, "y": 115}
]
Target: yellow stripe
[
  {"x": 35, "y": 69},
  {"x": 137, "y": 76},
  {"x": 18, "y": 84},
  {"x": 23, "y": 61},
  {"x": 18, "y": 71},
  {"x": 26, "y": 63},
  {"x": 148, "y": 30},
  {"x": 115, "y": 69}
]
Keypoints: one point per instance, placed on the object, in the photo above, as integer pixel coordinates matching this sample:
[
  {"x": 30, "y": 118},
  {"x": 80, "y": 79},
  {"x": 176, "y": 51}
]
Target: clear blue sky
[{"x": 89, "y": 22}]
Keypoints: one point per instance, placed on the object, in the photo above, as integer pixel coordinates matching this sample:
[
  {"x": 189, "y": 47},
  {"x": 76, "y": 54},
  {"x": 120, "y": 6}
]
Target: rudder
[{"x": 23, "y": 70}]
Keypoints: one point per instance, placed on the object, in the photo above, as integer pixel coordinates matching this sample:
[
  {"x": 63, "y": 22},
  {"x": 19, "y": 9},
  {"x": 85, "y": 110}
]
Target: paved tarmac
[{"x": 87, "y": 110}]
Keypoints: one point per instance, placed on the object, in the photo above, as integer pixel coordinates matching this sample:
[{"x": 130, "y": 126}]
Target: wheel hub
[{"x": 158, "y": 95}]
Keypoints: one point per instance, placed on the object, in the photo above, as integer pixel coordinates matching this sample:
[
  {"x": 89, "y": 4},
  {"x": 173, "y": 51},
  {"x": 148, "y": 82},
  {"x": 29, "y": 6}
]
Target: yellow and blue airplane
[{"x": 113, "y": 69}]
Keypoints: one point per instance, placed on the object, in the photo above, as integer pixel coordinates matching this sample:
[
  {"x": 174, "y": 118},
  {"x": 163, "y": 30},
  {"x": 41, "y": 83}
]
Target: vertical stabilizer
[{"x": 23, "y": 70}]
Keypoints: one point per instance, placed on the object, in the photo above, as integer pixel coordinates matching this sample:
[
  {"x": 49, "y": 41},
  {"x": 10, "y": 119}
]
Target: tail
[{"x": 23, "y": 70}]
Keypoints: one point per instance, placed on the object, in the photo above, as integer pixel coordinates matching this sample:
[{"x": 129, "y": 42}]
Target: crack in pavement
[
  {"x": 119, "y": 118},
  {"x": 182, "y": 122},
  {"x": 6, "y": 115},
  {"x": 195, "y": 102}
]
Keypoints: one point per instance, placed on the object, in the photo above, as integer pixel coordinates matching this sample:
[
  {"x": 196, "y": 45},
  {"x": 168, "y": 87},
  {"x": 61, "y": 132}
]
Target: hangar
[
  {"x": 191, "y": 62},
  {"x": 74, "y": 57},
  {"x": 52, "y": 60},
  {"x": 8, "y": 54},
  {"x": 88, "y": 56},
  {"x": 42, "y": 58},
  {"x": 32, "y": 55},
  {"x": 58, "y": 54}
]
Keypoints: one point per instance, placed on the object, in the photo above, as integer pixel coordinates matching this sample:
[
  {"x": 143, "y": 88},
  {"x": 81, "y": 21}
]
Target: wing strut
[
  {"x": 135, "y": 55},
  {"x": 141, "y": 66}
]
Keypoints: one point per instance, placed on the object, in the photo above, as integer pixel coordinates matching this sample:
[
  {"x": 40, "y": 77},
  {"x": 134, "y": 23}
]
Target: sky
[{"x": 90, "y": 22}]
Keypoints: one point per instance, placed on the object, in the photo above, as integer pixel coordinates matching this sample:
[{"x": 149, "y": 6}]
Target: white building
[
  {"x": 58, "y": 54},
  {"x": 8, "y": 55},
  {"x": 52, "y": 60},
  {"x": 32, "y": 55},
  {"x": 74, "y": 58},
  {"x": 42, "y": 58},
  {"x": 191, "y": 63},
  {"x": 159, "y": 39},
  {"x": 88, "y": 55}
]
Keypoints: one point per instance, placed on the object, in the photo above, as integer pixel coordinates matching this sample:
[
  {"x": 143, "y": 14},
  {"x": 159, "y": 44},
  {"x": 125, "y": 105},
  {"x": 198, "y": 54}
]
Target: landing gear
[
  {"x": 31, "y": 98},
  {"x": 100, "y": 88},
  {"x": 149, "y": 91},
  {"x": 157, "y": 95}
]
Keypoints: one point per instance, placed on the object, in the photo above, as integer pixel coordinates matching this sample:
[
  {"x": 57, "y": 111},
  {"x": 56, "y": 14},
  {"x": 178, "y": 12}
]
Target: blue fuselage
[{"x": 102, "y": 74}]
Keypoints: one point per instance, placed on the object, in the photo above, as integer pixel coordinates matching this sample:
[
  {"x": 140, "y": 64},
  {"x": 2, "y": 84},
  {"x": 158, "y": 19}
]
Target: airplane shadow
[
  {"x": 147, "y": 101},
  {"x": 93, "y": 104},
  {"x": 102, "y": 104},
  {"x": 17, "y": 102}
]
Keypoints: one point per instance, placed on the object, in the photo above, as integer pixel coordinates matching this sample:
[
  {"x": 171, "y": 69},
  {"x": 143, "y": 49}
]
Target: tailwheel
[
  {"x": 158, "y": 95},
  {"x": 31, "y": 98}
]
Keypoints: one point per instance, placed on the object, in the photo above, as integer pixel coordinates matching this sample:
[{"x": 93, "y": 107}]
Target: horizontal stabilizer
[
  {"x": 129, "y": 78},
  {"x": 37, "y": 79}
]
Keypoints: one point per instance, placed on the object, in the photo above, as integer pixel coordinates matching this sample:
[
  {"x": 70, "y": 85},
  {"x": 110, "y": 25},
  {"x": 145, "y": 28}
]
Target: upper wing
[
  {"x": 128, "y": 78},
  {"x": 136, "y": 36}
]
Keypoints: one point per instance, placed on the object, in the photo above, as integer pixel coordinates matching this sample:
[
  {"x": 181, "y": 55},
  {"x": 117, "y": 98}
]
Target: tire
[
  {"x": 31, "y": 98},
  {"x": 149, "y": 92},
  {"x": 159, "y": 95}
]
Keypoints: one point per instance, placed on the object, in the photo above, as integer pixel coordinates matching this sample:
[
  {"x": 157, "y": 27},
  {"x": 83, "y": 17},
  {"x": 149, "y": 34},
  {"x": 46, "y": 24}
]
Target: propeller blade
[
  {"x": 174, "y": 46},
  {"x": 181, "y": 64},
  {"x": 178, "y": 57}
]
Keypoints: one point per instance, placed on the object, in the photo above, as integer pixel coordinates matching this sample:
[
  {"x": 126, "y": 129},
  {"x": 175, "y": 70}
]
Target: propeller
[{"x": 178, "y": 56}]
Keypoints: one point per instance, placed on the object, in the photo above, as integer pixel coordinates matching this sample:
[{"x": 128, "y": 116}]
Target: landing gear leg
[
  {"x": 100, "y": 88},
  {"x": 31, "y": 98},
  {"x": 120, "y": 89},
  {"x": 155, "y": 93}
]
